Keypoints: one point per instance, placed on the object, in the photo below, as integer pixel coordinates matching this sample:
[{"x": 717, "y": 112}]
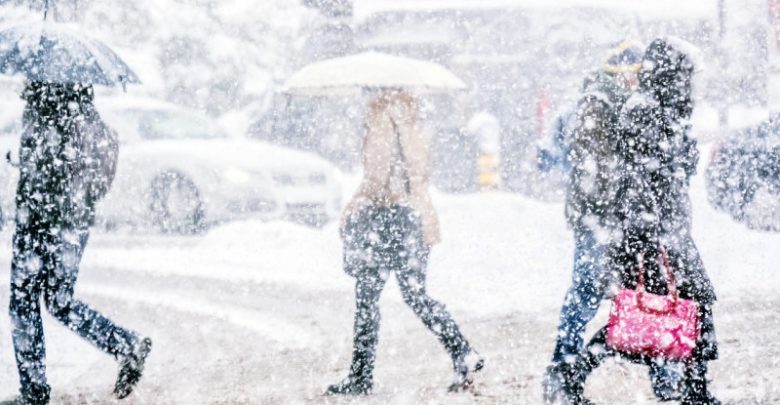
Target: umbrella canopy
[
  {"x": 350, "y": 74},
  {"x": 53, "y": 53}
]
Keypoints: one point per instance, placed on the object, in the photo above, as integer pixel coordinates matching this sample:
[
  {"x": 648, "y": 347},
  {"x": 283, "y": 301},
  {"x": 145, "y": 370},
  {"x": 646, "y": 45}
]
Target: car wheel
[
  {"x": 176, "y": 204},
  {"x": 762, "y": 207}
]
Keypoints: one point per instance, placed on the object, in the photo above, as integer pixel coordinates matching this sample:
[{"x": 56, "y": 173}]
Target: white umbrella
[{"x": 350, "y": 74}]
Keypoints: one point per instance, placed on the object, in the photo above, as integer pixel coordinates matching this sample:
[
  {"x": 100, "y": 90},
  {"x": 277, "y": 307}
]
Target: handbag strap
[
  {"x": 671, "y": 282},
  {"x": 402, "y": 156}
]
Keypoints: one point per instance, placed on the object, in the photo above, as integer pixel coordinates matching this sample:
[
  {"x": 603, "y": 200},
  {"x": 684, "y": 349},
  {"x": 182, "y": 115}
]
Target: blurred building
[{"x": 523, "y": 60}]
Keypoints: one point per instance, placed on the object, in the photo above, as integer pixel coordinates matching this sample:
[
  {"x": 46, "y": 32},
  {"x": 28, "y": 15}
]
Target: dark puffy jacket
[
  {"x": 67, "y": 155},
  {"x": 657, "y": 159},
  {"x": 590, "y": 196}
]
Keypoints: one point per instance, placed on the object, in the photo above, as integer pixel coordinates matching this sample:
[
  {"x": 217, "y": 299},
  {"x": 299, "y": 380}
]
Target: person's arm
[{"x": 377, "y": 164}]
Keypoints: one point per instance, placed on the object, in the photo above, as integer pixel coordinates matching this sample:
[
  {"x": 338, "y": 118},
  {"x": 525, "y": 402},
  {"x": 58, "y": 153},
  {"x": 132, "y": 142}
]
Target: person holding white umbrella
[{"x": 390, "y": 224}]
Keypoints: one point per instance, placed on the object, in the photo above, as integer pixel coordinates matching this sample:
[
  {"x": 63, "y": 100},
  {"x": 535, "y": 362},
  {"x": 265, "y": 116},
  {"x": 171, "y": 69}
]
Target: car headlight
[{"x": 237, "y": 176}]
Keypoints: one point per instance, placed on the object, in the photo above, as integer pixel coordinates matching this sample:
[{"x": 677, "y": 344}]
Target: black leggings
[{"x": 378, "y": 242}]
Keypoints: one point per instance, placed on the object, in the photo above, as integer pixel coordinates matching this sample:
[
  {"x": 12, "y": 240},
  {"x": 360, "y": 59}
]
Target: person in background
[
  {"x": 67, "y": 161},
  {"x": 590, "y": 201},
  {"x": 389, "y": 227}
]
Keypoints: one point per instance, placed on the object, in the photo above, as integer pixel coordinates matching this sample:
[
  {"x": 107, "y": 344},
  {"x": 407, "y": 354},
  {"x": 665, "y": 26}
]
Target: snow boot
[
  {"x": 131, "y": 368},
  {"x": 695, "y": 391},
  {"x": 570, "y": 379},
  {"x": 666, "y": 381},
  {"x": 35, "y": 395},
  {"x": 552, "y": 383},
  {"x": 351, "y": 386},
  {"x": 465, "y": 366}
]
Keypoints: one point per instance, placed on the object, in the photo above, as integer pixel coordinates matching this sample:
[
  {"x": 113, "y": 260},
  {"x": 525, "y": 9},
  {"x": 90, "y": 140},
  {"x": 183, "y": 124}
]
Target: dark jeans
[
  {"x": 381, "y": 241},
  {"x": 584, "y": 296},
  {"x": 45, "y": 265}
]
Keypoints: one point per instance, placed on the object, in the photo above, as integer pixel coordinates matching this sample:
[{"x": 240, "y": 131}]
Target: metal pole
[
  {"x": 723, "y": 114},
  {"x": 45, "y": 9}
]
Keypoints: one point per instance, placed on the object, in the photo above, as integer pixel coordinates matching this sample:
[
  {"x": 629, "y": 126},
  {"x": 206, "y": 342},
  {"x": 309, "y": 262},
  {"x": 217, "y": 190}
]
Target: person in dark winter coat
[
  {"x": 657, "y": 159},
  {"x": 590, "y": 201},
  {"x": 67, "y": 162},
  {"x": 389, "y": 227}
]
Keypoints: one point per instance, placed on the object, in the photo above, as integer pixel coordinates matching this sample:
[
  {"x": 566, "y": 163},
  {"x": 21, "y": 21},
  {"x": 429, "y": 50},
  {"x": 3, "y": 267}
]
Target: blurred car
[
  {"x": 743, "y": 175},
  {"x": 180, "y": 172}
]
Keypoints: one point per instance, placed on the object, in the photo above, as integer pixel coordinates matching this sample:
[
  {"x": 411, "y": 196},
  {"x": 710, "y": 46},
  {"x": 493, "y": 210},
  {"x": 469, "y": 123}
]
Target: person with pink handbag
[{"x": 664, "y": 311}]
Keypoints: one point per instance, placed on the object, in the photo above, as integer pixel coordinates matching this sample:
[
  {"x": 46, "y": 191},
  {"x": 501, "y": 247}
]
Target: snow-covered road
[{"x": 259, "y": 312}]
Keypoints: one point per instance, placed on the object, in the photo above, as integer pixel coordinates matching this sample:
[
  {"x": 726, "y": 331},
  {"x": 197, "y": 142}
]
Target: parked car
[
  {"x": 181, "y": 172},
  {"x": 743, "y": 175}
]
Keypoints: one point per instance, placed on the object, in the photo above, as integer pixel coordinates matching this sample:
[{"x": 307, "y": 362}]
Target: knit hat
[{"x": 625, "y": 57}]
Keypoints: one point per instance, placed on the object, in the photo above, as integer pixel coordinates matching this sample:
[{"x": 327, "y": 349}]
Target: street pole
[{"x": 723, "y": 113}]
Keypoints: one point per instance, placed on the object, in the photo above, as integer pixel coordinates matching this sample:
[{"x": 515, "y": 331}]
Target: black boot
[
  {"x": 352, "y": 386},
  {"x": 33, "y": 395},
  {"x": 465, "y": 366},
  {"x": 552, "y": 383},
  {"x": 573, "y": 376},
  {"x": 361, "y": 373},
  {"x": 695, "y": 391},
  {"x": 131, "y": 368}
]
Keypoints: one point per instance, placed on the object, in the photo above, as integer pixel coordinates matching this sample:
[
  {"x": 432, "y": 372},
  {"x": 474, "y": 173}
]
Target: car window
[{"x": 175, "y": 125}]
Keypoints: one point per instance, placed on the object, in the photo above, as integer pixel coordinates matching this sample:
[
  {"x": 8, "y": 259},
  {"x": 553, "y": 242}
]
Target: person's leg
[
  {"x": 575, "y": 373},
  {"x": 74, "y": 314},
  {"x": 370, "y": 281},
  {"x": 666, "y": 379},
  {"x": 695, "y": 390},
  {"x": 368, "y": 289},
  {"x": 27, "y": 268},
  {"x": 409, "y": 259},
  {"x": 583, "y": 298},
  {"x": 410, "y": 274}
]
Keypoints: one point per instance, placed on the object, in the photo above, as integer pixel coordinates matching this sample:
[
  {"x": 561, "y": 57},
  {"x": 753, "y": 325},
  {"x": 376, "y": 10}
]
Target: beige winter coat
[{"x": 392, "y": 122}]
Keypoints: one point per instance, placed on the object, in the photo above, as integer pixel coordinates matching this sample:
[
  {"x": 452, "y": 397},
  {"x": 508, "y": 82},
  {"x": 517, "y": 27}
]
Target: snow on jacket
[
  {"x": 657, "y": 159},
  {"x": 396, "y": 162},
  {"x": 67, "y": 154},
  {"x": 592, "y": 154}
]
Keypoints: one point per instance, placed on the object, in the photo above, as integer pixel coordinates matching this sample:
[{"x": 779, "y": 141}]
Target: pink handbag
[{"x": 653, "y": 325}]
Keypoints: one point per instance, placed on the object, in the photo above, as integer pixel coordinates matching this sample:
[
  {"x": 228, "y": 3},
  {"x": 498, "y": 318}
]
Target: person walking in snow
[
  {"x": 590, "y": 201},
  {"x": 67, "y": 160},
  {"x": 657, "y": 159},
  {"x": 389, "y": 227}
]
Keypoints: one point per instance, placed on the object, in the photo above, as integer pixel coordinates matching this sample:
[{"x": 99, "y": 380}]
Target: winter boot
[
  {"x": 131, "y": 368},
  {"x": 552, "y": 383},
  {"x": 695, "y": 391},
  {"x": 465, "y": 366},
  {"x": 35, "y": 395},
  {"x": 572, "y": 387},
  {"x": 352, "y": 386},
  {"x": 667, "y": 381}
]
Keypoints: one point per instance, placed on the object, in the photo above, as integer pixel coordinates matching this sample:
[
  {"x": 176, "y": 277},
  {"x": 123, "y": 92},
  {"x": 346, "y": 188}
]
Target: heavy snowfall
[{"x": 249, "y": 140}]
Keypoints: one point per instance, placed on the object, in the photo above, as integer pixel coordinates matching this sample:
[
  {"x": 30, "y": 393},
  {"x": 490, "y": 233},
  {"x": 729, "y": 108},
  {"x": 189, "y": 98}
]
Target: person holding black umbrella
[{"x": 67, "y": 161}]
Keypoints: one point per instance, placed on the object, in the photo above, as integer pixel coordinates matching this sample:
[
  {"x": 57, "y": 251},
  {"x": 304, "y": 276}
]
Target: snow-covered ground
[{"x": 261, "y": 312}]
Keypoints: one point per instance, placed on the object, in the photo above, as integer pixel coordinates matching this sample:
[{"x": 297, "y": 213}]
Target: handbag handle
[{"x": 671, "y": 282}]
